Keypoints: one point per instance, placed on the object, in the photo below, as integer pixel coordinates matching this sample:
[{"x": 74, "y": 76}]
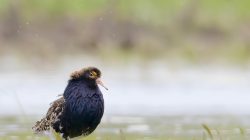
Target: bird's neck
[{"x": 84, "y": 85}]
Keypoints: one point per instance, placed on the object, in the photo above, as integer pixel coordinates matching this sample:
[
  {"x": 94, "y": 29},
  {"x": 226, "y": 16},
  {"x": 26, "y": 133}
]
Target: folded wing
[{"x": 55, "y": 110}]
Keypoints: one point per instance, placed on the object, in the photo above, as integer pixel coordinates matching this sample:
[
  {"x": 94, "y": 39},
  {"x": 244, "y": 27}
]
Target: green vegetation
[
  {"x": 154, "y": 11},
  {"x": 192, "y": 30},
  {"x": 141, "y": 128}
]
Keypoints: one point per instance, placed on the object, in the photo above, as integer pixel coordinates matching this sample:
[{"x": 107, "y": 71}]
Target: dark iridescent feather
[{"x": 80, "y": 109}]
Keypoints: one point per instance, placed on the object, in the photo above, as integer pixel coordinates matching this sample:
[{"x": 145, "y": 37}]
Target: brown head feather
[{"x": 79, "y": 73}]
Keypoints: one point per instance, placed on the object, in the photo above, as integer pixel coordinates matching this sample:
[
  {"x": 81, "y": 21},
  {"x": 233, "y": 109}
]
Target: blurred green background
[
  {"x": 195, "y": 31},
  {"x": 186, "y": 61}
]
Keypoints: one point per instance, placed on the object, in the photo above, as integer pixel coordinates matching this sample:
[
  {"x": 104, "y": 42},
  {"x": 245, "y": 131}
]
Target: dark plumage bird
[{"x": 80, "y": 109}]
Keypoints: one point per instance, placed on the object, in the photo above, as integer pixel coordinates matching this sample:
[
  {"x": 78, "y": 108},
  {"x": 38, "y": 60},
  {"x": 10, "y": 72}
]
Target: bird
[{"x": 80, "y": 108}]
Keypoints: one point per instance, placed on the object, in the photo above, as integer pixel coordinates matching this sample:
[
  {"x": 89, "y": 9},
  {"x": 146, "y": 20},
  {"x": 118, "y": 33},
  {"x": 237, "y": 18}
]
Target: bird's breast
[{"x": 85, "y": 106}]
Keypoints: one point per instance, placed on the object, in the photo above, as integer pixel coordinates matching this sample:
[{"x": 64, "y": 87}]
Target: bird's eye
[{"x": 93, "y": 74}]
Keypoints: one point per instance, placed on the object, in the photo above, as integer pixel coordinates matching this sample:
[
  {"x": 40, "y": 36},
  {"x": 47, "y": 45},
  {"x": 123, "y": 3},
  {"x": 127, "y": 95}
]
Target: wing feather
[{"x": 55, "y": 110}]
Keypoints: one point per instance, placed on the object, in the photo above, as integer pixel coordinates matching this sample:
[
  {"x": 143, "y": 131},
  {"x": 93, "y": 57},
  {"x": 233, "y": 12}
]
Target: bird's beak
[{"x": 99, "y": 81}]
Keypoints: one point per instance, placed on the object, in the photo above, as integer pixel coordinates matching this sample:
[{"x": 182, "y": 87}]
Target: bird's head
[{"x": 90, "y": 74}]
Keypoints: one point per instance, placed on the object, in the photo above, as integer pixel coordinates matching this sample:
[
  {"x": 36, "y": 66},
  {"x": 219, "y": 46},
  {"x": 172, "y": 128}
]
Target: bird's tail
[{"x": 41, "y": 126}]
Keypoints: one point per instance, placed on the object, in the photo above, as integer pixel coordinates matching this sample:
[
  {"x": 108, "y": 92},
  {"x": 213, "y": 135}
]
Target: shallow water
[
  {"x": 134, "y": 89},
  {"x": 144, "y": 101}
]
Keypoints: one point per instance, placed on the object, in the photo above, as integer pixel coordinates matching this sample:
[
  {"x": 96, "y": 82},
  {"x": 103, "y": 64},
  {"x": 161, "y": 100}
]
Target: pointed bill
[{"x": 99, "y": 82}]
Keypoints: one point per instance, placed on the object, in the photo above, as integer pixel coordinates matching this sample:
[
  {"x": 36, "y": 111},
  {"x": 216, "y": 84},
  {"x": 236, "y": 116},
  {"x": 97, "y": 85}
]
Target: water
[
  {"x": 151, "y": 89},
  {"x": 144, "y": 101}
]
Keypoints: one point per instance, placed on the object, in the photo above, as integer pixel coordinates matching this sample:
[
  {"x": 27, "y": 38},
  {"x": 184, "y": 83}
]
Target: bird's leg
[{"x": 65, "y": 136}]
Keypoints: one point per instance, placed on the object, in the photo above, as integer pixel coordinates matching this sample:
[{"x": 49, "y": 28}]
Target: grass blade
[{"x": 208, "y": 130}]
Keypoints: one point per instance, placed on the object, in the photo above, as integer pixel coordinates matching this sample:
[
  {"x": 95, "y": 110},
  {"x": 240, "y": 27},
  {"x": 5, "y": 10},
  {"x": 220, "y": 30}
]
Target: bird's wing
[{"x": 53, "y": 113}]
